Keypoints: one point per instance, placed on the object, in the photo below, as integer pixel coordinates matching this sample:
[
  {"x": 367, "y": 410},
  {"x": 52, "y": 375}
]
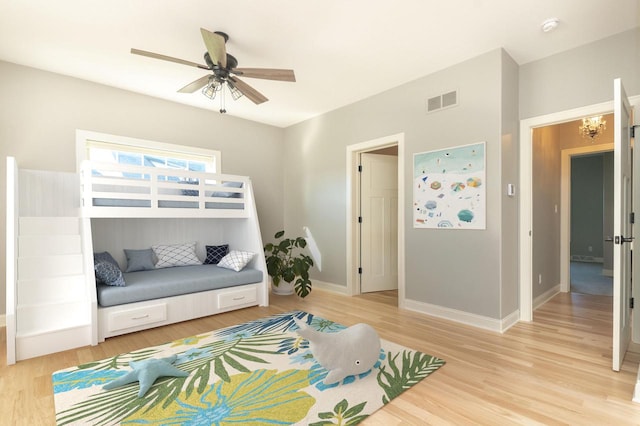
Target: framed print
[{"x": 449, "y": 190}]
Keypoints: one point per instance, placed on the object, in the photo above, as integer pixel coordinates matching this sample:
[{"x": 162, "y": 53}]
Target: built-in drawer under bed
[{"x": 167, "y": 282}]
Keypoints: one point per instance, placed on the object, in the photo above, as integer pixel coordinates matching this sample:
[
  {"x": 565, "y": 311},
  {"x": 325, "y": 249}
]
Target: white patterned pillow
[
  {"x": 236, "y": 260},
  {"x": 176, "y": 255}
]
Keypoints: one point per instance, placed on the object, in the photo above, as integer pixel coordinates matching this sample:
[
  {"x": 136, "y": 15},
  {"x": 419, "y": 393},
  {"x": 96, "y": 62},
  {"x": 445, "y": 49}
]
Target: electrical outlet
[
  {"x": 539, "y": 278},
  {"x": 590, "y": 249}
]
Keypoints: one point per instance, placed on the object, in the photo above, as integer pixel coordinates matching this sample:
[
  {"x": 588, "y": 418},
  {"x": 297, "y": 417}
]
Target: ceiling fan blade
[
  {"x": 167, "y": 58},
  {"x": 195, "y": 85},
  {"x": 215, "y": 46},
  {"x": 251, "y": 93},
  {"x": 266, "y": 73}
]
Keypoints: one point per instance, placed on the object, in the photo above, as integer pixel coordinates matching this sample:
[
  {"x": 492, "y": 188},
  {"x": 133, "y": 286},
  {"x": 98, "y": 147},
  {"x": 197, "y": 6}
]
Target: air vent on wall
[{"x": 445, "y": 100}]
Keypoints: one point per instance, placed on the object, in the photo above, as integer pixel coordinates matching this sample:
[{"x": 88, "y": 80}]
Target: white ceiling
[{"x": 341, "y": 50}]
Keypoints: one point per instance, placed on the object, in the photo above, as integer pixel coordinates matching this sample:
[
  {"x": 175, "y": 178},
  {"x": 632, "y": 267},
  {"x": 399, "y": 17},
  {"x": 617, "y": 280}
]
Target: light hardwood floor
[{"x": 555, "y": 370}]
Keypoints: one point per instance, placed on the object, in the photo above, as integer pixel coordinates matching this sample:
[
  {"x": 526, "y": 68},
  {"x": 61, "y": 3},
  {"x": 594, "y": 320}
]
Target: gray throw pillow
[{"x": 139, "y": 260}]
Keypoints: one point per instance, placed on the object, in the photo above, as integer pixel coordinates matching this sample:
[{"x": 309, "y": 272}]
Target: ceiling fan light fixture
[
  {"x": 235, "y": 93},
  {"x": 212, "y": 88}
]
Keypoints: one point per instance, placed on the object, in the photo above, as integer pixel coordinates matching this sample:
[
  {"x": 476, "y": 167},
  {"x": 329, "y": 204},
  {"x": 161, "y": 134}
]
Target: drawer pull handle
[
  {"x": 140, "y": 317},
  {"x": 238, "y": 298}
]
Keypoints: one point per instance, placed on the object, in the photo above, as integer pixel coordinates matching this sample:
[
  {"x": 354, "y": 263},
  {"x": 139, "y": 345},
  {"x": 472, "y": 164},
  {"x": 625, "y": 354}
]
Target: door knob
[{"x": 619, "y": 239}]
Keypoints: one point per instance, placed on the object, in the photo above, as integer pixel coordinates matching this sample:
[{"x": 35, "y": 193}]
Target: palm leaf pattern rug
[{"x": 259, "y": 372}]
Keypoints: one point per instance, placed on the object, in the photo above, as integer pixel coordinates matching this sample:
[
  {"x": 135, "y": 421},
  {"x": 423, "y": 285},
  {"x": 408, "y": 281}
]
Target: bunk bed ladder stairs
[{"x": 52, "y": 313}]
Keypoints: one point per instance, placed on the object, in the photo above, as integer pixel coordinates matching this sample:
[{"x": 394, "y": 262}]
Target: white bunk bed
[
  {"x": 131, "y": 207},
  {"x": 152, "y": 202}
]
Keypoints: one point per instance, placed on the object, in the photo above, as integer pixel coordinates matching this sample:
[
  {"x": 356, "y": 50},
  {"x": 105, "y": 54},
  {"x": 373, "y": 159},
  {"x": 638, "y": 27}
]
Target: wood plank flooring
[{"x": 553, "y": 371}]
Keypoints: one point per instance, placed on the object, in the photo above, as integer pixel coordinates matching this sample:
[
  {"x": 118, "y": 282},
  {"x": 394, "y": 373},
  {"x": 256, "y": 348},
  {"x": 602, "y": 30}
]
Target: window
[{"x": 122, "y": 150}]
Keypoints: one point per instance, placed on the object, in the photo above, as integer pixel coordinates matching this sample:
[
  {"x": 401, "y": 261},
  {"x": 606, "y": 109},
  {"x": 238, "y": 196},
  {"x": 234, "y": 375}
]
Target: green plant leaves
[
  {"x": 226, "y": 358},
  {"x": 414, "y": 367},
  {"x": 342, "y": 415},
  {"x": 285, "y": 262}
]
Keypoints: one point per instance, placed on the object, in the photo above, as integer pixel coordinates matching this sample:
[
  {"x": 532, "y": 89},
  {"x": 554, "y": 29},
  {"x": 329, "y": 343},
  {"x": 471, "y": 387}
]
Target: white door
[
  {"x": 379, "y": 226},
  {"x": 621, "y": 225}
]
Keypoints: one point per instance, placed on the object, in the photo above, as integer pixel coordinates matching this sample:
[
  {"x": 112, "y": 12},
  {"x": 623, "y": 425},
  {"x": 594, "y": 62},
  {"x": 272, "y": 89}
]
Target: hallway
[{"x": 587, "y": 278}]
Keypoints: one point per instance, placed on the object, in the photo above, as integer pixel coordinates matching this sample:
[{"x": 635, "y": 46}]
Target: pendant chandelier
[{"x": 592, "y": 127}]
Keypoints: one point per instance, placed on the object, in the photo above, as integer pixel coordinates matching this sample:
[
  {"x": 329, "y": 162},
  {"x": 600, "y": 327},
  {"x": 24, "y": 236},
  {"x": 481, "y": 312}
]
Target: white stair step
[
  {"x": 50, "y": 341},
  {"x": 49, "y": 266},
  {"x": 43, "y": 245},
  {"x": 38, "y": 319},
  {"x": 51, "y": 289},
  {"x": 49, "y": 226}
]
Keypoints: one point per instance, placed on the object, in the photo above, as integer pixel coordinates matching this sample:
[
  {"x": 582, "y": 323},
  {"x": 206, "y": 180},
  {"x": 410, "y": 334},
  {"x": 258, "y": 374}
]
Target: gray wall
[
  {"x": 451, "y": 268},
  {"x": 607, "y": 231},
  {"x": 509, "y": 170},
  {"x": 581, "y": 76},
  {"x": 40, "y": 112},
  {"x": 545, "y": 220},
  {"x": 587, "y": 206}
]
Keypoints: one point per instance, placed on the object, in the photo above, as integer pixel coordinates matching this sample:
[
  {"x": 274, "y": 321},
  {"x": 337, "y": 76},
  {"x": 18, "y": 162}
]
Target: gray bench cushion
[{"x": 167, "y": 282}]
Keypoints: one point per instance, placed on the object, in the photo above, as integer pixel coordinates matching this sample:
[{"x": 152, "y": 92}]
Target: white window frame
[{"x": 84, "y": 137}]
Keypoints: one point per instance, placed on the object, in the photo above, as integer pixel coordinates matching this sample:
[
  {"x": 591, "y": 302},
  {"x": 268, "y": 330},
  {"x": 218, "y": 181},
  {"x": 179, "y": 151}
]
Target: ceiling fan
[{"x": 225, "y": 71}]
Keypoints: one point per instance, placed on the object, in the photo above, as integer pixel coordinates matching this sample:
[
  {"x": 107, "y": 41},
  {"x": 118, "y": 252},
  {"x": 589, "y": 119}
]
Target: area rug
[{"x": 259, "y": 372}]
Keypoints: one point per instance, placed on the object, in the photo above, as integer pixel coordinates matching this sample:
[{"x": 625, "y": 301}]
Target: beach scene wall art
[{"x": 449, "y": 188}]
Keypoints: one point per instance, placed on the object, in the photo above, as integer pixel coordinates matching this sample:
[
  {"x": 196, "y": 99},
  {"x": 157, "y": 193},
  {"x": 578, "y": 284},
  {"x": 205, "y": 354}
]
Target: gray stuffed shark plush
[{"x": 347, "y": 352}]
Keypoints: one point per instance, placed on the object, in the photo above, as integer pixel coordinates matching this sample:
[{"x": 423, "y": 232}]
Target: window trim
[{"x": 85, "y": 136}]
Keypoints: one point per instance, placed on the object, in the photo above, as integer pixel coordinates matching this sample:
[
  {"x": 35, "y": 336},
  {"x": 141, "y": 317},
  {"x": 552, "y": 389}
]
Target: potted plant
[{"x": 286, "y": 263}]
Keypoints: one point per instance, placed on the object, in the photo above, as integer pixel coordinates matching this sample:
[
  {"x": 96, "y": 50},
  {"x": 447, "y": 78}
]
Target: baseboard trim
[
  {"x": 510, "y": 320},
  {"x": 586, "y": 258},
  {"x": 462, "y": 317},
  {"x": 335, "y": 288},
  {"x": 544, "y": 297}
]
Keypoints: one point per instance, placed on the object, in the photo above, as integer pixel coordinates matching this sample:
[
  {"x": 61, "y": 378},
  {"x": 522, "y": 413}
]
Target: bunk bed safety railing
[{"x": 122, "y": 190}]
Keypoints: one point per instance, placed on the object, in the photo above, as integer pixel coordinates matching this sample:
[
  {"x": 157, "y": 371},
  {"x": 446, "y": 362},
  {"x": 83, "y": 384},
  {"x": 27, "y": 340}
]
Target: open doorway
[
  {"x": 591, "y": 224},
  {"x": 623, "y": 218},
  {"x": 391, "y": 150},
  {"x": 556, "y": 220}
]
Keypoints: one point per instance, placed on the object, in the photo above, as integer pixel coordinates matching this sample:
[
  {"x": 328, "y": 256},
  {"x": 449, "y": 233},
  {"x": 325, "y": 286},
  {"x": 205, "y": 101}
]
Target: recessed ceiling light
[{"x": 550, "y": 24}]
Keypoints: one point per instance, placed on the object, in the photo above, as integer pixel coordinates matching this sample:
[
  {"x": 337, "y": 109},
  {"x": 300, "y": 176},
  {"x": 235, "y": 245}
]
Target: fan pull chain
[{"x": 223, "y": 110}]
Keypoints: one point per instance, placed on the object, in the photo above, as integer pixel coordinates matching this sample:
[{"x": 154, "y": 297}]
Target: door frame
[
  {"x": 565, "y": 206},
  {"x": 353, "y": 195},
  {"x": 526, "y": 191}
]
